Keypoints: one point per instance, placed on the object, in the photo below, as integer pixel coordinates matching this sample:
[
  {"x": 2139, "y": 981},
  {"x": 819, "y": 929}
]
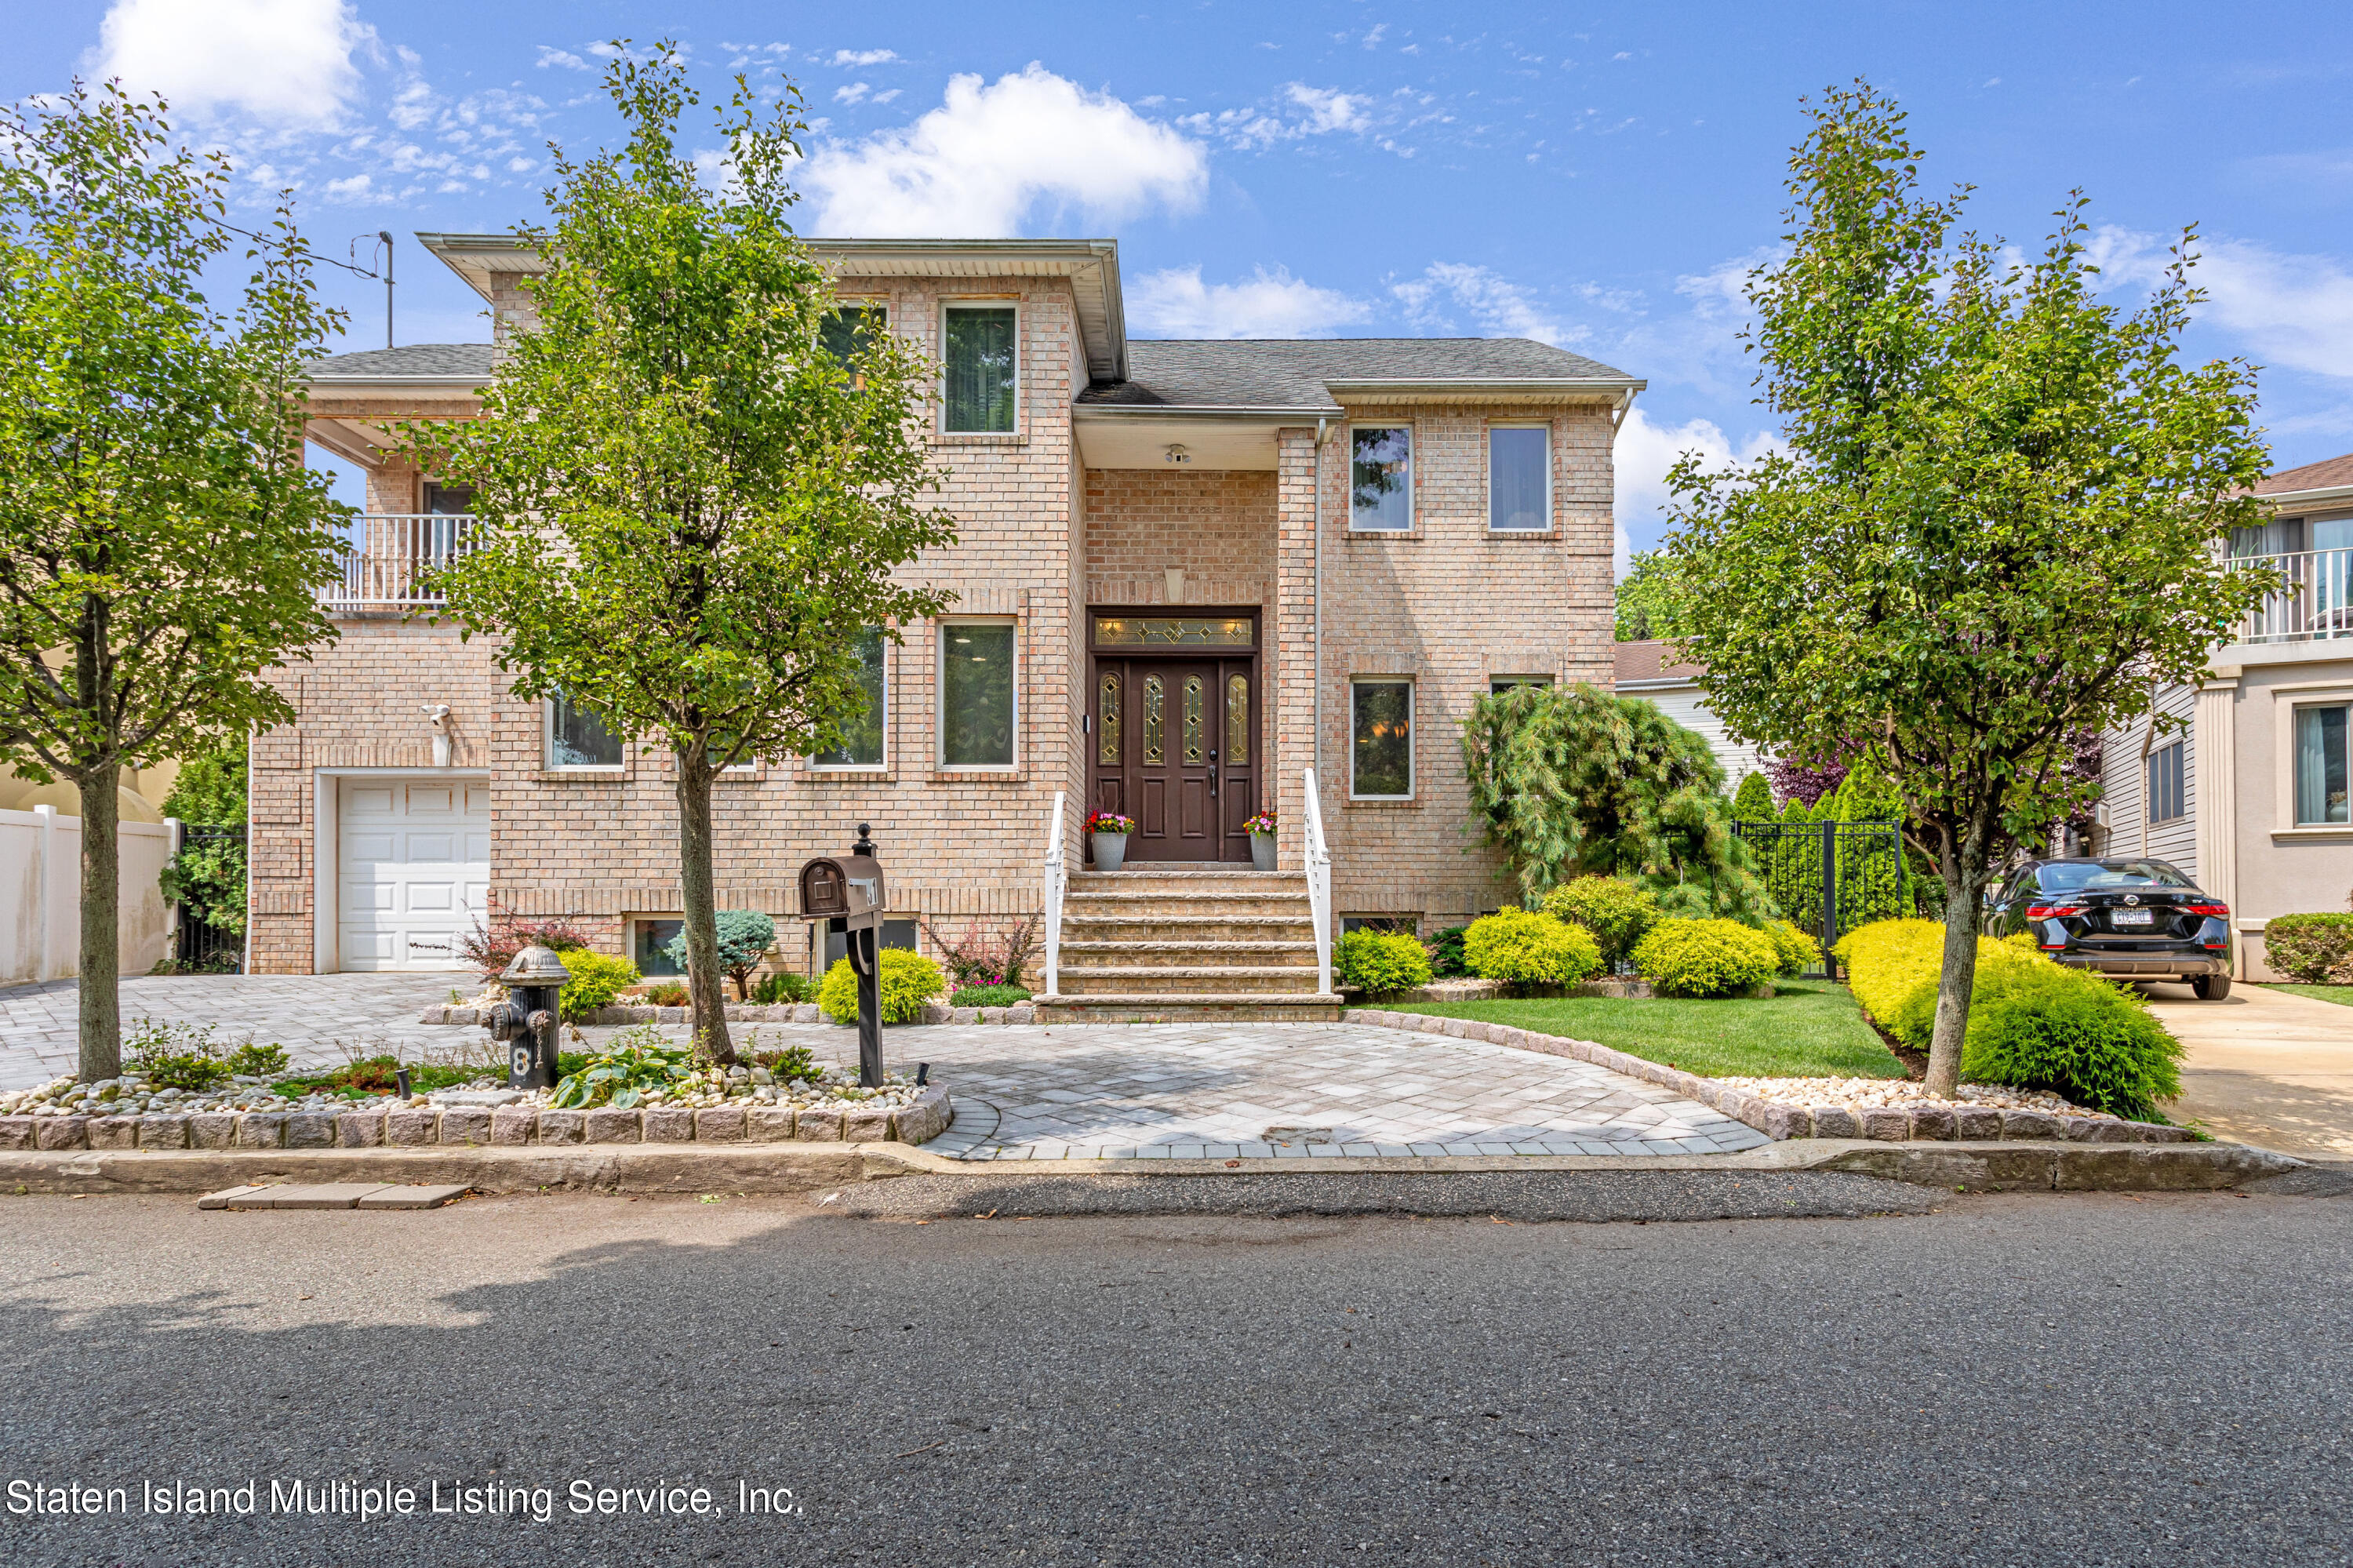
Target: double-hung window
[
  {"x": 577, "y": 740},
  {"x": 1381, "y": 750},
  {"x": 846, "y": 331},
  {"x": 1519, "y": 479},
  {"x": 862, "y": 732},
  {"x": 1380, "y": 478},
  {"x": 2168, "y": 799},
  {"x": 983, "y": 368},
  {"x": 2322, "y": 765},
  {"x": 977, "y": 699}
]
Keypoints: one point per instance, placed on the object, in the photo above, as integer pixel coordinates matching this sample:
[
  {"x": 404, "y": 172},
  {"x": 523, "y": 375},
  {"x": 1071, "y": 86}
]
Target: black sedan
[{"x": 2136, "y": 918}]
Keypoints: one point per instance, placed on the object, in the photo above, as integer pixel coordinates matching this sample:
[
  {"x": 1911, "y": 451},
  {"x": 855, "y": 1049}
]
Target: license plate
[{"x": 2133, "y": 916}]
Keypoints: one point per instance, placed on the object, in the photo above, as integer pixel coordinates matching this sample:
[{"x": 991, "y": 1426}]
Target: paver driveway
[{"x": 1071, "y": 1091}]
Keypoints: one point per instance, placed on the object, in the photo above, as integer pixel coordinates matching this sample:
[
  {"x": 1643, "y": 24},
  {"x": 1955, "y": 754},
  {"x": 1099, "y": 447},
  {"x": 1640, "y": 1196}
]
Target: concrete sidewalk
[{"x": 2266, "y": 1068}]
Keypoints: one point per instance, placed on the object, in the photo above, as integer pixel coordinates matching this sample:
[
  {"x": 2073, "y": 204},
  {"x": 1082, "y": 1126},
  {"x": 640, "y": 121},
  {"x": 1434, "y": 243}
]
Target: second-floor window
[
  {"x": 862, "y": 734},
  {"x": 576, "y": 739},
  {"x": 982, "y": 368},
  {"x": 850, "y": 329},
  {"x": 1519, "y": 479},
  {"x": 1380, "y": 478},
  {"x": 2166, "y": 798},
  {"x": 2323, "y": 766}
]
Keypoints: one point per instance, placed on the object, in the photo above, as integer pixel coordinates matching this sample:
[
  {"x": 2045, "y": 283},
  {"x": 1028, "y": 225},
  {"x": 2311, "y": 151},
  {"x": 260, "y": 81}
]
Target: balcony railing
[
  {"x": 2318, "y": 603},
  {"x": 392, "y": 557}
]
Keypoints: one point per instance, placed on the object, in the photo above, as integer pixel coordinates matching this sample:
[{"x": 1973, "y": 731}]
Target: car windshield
[{"x": 2091, "y": 875}]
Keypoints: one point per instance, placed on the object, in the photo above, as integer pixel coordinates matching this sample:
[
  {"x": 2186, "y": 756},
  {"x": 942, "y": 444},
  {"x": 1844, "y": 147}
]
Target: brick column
[{"x": 1291, "y": 660}]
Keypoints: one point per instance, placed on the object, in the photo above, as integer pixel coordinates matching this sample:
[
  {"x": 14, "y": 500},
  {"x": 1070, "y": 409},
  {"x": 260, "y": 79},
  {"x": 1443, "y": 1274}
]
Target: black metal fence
[
  {"x": 1829, "y": 877},
  {"x": 199, "y": 945}
]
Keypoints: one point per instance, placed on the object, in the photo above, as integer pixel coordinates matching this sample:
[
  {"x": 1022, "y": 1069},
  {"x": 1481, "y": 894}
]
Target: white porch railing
[
  {"x": 2319, "y": 603},
  {"x": 1319, "y": 886},
  {"x": 1057, "y": 878},
  {"x": 393, "y": 556}
]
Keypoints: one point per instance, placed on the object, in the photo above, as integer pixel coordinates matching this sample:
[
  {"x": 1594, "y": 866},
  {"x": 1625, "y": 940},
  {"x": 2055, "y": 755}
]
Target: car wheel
[{"x": 2211, "y": 988}]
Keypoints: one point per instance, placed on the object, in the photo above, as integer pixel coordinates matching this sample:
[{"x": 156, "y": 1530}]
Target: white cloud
[
  {"x": 855, "y": 58},
  {"x": 1326, "y": 109},
  {"x": 285, "y": 62},
  {"x": 1490, "y": 301},
  {"x": 1644, "y": 453},
  {"x": 993, "y": 153},
  {"x": 565, "y": 57},
  {"x": 852, "y": 93},
  {"x": 1329, "y": 109},
  {"x": 1268, "y": 305}
]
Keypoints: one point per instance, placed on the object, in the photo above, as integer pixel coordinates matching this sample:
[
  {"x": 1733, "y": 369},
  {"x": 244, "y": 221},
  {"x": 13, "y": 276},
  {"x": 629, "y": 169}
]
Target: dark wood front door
[{"x": 1173, "y": 742}]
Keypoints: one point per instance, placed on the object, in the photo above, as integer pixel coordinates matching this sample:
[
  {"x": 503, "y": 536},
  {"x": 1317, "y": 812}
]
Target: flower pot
[
  {"x": 1262, "y": 852},
  {"x": 1111, "y": 850}
]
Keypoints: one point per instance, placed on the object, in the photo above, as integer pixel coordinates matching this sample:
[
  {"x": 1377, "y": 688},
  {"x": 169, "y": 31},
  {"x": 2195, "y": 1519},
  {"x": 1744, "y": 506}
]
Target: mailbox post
[
  {"x": 848, "y": 889},
  {"x": 527, "y": 1021}
]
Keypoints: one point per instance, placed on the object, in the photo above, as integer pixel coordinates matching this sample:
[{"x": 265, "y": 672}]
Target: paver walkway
[
  {"x": 1064, "y": 1092},
  {"x": 2266, "y": 1068}
]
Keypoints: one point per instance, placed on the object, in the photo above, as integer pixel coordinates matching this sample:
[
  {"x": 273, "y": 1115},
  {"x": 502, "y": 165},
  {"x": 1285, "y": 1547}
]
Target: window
[
  {"x": 847, "y": 331},
  {"x": 449, "y": 500},
  {"x": 651, "y": 943},
  {"x": 977, "y": 694},
  {"x": 1380, "y": 478},
  {"x": 1381, "y": 757},
  {"x": 2165, "y": 780},
  {"x": 862, "y": 733},
  {"x": 1388, "y": 924},
  {"x": 895, "y": 934},
  {"x": 1498, "y": 685},
  {"x": 1519, "y": 479},
  {"x": 2322, "y": 765},
  {"x": 981, "y": 367},
  {"x": 576, "y": 739}
]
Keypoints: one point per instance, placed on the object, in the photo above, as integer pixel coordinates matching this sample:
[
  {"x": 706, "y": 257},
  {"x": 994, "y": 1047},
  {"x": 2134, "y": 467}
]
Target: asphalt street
[{"x": 2096, "y": 1379}]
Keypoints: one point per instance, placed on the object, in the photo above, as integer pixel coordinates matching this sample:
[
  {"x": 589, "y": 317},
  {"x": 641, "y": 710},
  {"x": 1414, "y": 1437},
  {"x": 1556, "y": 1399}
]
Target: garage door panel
[{"x": 413, "y": 872}]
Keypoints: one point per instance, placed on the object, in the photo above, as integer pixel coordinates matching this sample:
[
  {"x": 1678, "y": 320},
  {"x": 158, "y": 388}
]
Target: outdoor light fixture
[{"x": 1176, "y": 452}]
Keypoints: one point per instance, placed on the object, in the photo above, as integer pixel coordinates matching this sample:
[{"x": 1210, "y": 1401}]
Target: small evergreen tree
[{"x": 1752, "y": 801}]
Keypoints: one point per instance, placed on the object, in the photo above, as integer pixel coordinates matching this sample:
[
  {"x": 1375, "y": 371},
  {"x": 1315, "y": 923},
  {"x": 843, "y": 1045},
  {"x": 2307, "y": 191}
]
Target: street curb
[{"x": 1989, "y": 1167}]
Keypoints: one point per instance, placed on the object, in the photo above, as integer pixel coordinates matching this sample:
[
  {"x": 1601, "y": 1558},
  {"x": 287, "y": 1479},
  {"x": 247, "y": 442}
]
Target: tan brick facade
[{"x": 1042, "y": 537}]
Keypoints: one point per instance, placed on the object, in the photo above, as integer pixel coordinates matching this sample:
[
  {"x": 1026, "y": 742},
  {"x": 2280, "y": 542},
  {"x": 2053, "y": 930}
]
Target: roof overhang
[
  {"x": 1115, "y": 435},
  {"x": 2307, "y": 499},
  {"x": 1092, "y": 266},
  {"x": 1480, "y": 388}
]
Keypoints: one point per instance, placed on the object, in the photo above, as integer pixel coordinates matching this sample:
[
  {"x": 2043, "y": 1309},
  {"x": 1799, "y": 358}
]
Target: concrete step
[
  {"x": 1084, "y": 980},
  {"x": 1199, "y": 1007},
  {"x": 1199, "y": 905},
  {"x": 1180, "y": 929},
  {"x": 1182, "y": 951},
  {"x": 1181, "y": 879}
]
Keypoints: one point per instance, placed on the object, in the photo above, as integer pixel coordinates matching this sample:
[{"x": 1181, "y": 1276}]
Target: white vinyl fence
[{"x": 40, "y": 895}]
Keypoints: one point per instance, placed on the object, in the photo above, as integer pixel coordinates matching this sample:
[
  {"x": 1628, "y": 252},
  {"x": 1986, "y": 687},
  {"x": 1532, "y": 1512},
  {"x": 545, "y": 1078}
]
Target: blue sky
[{"x": 1595, "y": 176}]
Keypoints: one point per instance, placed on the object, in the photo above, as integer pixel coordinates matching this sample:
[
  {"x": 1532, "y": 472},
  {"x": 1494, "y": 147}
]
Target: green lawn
[
  {"x": 1811, "y": 1029},
  {"x": 2340, "y": 994}
]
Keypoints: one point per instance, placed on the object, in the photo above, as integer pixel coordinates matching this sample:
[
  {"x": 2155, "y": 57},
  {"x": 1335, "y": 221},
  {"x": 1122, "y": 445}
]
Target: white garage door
[{"x": 413, "y": 871}]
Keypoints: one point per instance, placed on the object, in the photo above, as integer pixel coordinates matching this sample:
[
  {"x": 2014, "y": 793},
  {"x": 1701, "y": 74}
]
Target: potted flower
[
  {"x": 1262, "y": 833},
  {"x": 1109, "y": 831}
]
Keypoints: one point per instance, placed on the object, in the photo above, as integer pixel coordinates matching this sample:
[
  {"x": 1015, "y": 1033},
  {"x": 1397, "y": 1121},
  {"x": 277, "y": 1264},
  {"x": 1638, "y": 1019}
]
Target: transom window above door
[
  {"x": 1176, "y": 631},
  {"x": 1380, "y": 478},
  {"x": 982, "y": 368}
]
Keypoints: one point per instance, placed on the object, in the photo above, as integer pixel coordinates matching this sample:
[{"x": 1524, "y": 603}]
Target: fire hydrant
[{"x": 527, "y": 1019}]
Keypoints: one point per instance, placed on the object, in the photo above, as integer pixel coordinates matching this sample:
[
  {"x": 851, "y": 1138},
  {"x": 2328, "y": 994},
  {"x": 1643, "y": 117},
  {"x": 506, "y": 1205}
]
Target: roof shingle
[
  {"x": 1292, "y": 372},
  {"x": 409, "y": 359},
  {"x": 2325, "y": 474}
]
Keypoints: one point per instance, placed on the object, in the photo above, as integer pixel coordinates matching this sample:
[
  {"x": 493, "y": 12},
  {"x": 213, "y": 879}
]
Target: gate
[
  {"x": 1829, "y": 877},
  {"x": 200, "y": 946}
]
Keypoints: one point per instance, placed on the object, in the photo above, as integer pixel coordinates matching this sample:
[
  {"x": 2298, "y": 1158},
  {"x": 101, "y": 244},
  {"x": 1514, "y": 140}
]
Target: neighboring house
[
  {"x": 2251, "y": 798},
  {"x": 1650, "y": 670},
  {"x": 1188, "y": 572}
]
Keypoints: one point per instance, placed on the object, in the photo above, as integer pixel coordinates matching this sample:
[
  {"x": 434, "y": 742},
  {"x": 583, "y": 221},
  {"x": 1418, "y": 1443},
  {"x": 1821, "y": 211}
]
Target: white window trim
[
  {"x": 2148, "y": 779},
  {"x": 941, "y": 627},
  {"x": 2285, "y": 700},
  {"x": 1412, "y": 732},
  {"x": 1020, "y": 362},
  {"x": 1488, "y": 482},
  {"x": 547, "y": 750},
  {"x": 1412, "y": 475},
  {"x": 884, "y": 764}
]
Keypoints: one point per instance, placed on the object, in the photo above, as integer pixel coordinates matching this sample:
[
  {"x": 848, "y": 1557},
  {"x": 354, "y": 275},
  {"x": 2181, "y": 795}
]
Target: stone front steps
[{"x": 1165, "y": 944}]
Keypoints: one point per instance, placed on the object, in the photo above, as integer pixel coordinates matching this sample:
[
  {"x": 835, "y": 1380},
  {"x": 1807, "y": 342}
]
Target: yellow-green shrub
[
  {"x": 1799, "y": 951},
  {"x": 1706, "y": 958},
  {"x": 1617, "y": 912},
  {"x": 909, "y": 982},
  {"x": 1887, "y": 959},
  {"x": 1523, "y": 947},
  {"x": 1380, "y": 961},
  {"x": 596, "y": 978}
]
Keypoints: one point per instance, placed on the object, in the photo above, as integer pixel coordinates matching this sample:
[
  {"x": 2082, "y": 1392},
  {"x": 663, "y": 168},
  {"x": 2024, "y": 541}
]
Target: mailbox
[{"x": 848, "y": 889}]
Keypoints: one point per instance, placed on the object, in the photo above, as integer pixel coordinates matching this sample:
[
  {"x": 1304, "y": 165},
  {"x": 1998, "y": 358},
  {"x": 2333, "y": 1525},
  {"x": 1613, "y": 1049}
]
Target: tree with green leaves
[
  {"x": 1646, "y": 600},
  {"x": 1993, "y": 523},
  {"x": 688, "y": 502},
  {"x": 161, "y": 545},
  {"x": 1572, "y": 781}
]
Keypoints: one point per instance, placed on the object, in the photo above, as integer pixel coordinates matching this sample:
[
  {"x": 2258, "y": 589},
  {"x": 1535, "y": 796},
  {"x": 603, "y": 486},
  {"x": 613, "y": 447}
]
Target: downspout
[{"x": 1316, "y": 675}]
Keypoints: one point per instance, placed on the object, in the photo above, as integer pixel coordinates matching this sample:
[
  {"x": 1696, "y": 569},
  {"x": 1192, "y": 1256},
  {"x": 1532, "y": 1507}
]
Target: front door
[{"x": 1174, "y": 744}]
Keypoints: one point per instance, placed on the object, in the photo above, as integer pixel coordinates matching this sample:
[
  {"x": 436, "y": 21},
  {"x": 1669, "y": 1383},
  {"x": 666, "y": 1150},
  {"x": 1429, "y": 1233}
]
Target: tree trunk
[
  {"x": 708, "y": 986},
  {"x": 1965, "y": 882},
  {"x": 102, "y": 925}
]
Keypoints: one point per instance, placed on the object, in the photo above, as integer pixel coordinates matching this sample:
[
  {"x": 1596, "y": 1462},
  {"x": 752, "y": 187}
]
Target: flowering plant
[
  {"x": 1109, "y": 822},
  {"x": 1262, "y": 823}
]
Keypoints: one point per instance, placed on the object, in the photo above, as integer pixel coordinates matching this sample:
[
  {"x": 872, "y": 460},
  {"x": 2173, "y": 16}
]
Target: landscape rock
[
  {"x": 311, "y": 1129},
  {"x": 17, "y": 1132},
  {"x": 817, "y": 1127},
  {"x": 561, "y": 1126},
  {"x": 606, "y": 1125},
  {"x": 866, "y": 1124},
  {"x": 63, "y": 1132},
  {"x": 360, "y": 1129},
  {"x": 2032, "y": 1124},
  {"x": 768, "y": 1124},
  {"x": 261, "y": 1129},
  {"x": 466, "y": 1124},
  {"x": 212, "y": 1130},
  {"x": 718, "y": 1124},
  {"x": 163, "y": 1133},
  {"x": 512, "y": 1125},
  {"x": 669, "y": 1124},
  {"x": 412, "y": 1127},
  {"x": 114, "y": 1132}
]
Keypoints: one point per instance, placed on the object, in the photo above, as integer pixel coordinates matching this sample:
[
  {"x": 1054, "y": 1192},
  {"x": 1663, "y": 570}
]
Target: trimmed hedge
[
  {"x": 1706, "y": 958},
  {"x": 1616, "y": 911},
  {"x": 2311, "y": 949},
  {"x": 596, "y": 978},
  {"x": 1523, "y": 947},
  {"x": 1380, "y": 961},
  {"x": 910, "y": 982},
  {"x": 2033, "y": 1024}
]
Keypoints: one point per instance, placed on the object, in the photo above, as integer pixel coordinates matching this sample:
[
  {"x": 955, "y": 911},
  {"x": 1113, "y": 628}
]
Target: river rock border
[
  {"x": 1887, "y": 1124},
  {"x": 746, "y": 1012},
  {"x": 415, "y": 1127}
]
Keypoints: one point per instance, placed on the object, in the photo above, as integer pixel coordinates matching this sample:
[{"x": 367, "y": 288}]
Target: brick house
[{"x": 1188, "y": 573}]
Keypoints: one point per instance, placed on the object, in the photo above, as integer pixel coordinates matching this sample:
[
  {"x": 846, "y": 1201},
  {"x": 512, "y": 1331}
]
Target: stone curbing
[
  {"x": 418, "y": 1126},
  {"x": 747, "y": 1012},
  {"x": 1883, "y": 1124}
]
